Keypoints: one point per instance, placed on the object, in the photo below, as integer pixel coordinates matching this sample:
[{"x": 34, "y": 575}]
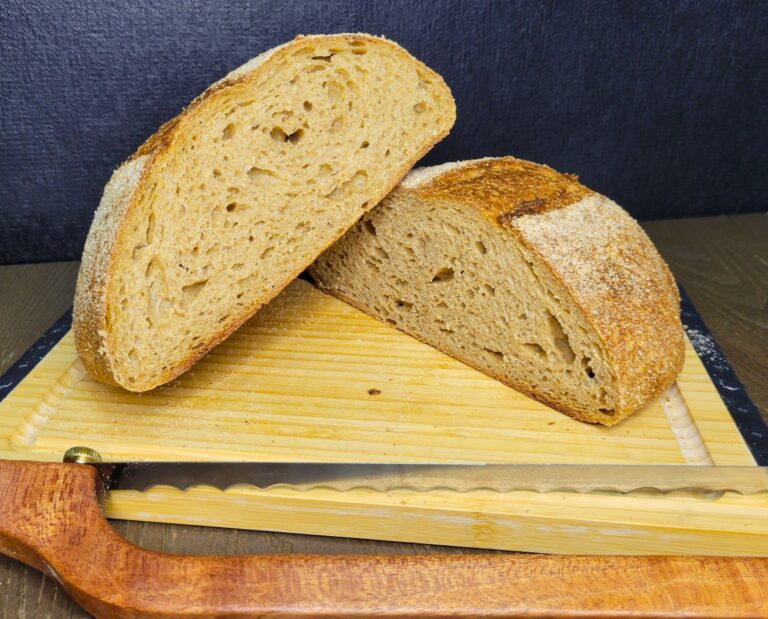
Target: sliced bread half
[
  {"x": 229, "y": 201},
  {"x": 524, "y": 274}
]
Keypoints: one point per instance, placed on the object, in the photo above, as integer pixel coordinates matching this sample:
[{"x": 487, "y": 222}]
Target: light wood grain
[
  {"x": 50, "y": 518},
  {"x": 294, "y": 384}
]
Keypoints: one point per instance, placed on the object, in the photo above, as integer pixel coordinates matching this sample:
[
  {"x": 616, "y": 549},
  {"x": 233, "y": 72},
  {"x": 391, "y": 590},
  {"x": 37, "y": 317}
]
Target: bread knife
[
  {"x": 422, "y": 477},
  {"x": 51, "y": 518}
]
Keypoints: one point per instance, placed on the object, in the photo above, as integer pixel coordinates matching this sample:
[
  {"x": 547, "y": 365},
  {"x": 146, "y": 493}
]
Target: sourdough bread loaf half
[
  {"x": 524, "y": 274},
  {"x": 228, "y": 202}
]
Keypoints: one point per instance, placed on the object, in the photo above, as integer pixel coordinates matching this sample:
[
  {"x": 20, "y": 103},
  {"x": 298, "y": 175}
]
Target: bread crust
[
  {"x": 597, "y": 255},
  {"x": 91, "y": 308}
]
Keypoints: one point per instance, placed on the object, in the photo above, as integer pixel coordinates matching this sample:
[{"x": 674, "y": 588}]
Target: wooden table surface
[{"x": 721, "y": 261}]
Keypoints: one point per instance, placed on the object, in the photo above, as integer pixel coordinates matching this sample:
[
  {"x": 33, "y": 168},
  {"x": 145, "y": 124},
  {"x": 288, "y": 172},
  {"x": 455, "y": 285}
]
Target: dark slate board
[
  {"x": 745, "y": 414},
  {"x": 658, "y": 104}
]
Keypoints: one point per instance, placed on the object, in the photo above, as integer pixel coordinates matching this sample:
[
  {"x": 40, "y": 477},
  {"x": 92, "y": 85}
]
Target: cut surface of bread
[
  {"x": 229, "y": 201},
  {"x": 524, "y": 274}
]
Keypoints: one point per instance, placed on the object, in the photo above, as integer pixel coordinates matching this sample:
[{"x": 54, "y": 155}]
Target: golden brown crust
[
  {"x": 506, "y": 188},
  {"x": 598, "y": 255},
  {"x": 89, "y": 320},
  {"x": 91, "y": 311}
]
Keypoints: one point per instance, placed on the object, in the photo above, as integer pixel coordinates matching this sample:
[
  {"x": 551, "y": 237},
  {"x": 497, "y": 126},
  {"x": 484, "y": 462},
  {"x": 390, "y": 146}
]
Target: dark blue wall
[{"x": 661, "y": 105}]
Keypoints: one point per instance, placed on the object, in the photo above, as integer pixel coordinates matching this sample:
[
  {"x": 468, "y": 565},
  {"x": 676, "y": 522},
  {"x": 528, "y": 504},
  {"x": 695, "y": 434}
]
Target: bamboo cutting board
[{"x": 312, "y": 379}]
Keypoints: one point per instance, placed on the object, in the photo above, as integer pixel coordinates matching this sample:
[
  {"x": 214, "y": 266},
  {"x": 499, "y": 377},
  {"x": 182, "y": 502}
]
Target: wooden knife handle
[{"x": 51, "y": 519}]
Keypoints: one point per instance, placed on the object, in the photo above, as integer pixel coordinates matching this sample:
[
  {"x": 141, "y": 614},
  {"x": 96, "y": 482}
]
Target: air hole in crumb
[
  {"x": 381, "y": 253},
  {"x": 587, "y": 367},
  {"x": 495, "y": 353},
  {"x": 374, "y": 392},
  {"x": 386, "y": 153},
  {"x": 150, "y": 232},
  {"x": 231, "y": 207},
  {"x": 365, "y": 144},
  {"x": 296, "y": 136},
  {"x": 334, "y": 90},
  {"x": 423, "y": 81},
  {"x": 445, "y": 274},
  {"x": 369, "y": 227},
  {"x": 136, "y": 250},
  {"x": 191, "y": 292},
  {"x": 489, "y": 289},
  {"x": 278, "y": 135},
  {"x": 266, "y": 252},
  {"x": 152, "y": 268},
  {"x": 248, "y": 281},
  {"x": 255, "y": 173},
  {"x": 420, "y": 107},
  {"x": 228, "y": 132},
  {"x": 359, "y": 180},
  {"x": 216, "y": 173},
  {"x": 405, "y": 304},
  {"x": 481, "y": 247},
  {"x": 606, "y": 411},
  {"x": 535, "y": 349},
  {"x": 325, "y": 170},
  {"x": 389, "y": 321},
  {"x": 560, "y": 339},
  {"x": 323, "y": 58},
  {"x": 337, "y": 124},
  {"x": 334, "y": 194},
  {"x": 308, "y": 106},
  {"x": 251, "y": 238}
]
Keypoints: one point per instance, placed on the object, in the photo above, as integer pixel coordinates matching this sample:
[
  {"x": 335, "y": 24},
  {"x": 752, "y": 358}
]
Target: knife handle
[{"x": 51, "y": 519}]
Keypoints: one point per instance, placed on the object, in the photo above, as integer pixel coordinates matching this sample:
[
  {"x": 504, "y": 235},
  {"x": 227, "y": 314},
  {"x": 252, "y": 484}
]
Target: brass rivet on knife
[{"x": 82, "y": 455}]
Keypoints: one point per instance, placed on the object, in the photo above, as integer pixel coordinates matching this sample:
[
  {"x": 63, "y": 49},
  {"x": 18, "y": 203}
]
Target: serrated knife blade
[{"x": 422, "y": 477}]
